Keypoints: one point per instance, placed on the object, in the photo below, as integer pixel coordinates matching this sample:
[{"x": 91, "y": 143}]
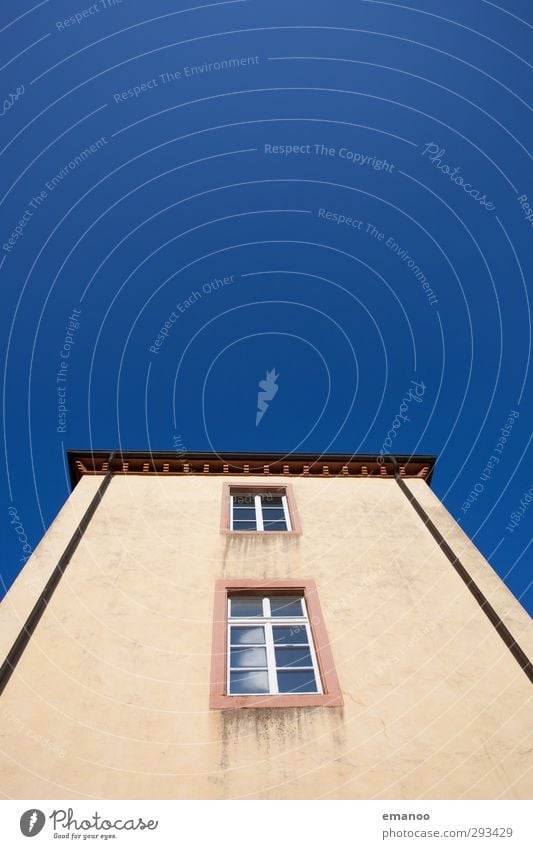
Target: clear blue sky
[{"x": 357, "y": 170}]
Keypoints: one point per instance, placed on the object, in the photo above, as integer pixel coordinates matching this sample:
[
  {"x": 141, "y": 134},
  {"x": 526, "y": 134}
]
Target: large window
[{"x": 270, "y": 647}]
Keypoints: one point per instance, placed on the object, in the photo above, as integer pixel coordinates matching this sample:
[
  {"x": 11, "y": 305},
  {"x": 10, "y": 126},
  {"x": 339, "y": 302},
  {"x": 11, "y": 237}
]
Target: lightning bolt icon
[{"x": 269, "y": 388}]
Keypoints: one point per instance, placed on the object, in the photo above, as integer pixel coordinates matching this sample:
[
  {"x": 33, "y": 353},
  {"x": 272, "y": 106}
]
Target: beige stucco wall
[{"x": 110, "y": 699}]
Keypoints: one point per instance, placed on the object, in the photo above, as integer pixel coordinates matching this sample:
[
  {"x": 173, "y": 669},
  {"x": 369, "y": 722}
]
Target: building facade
[{"x": 261, "y": 627}]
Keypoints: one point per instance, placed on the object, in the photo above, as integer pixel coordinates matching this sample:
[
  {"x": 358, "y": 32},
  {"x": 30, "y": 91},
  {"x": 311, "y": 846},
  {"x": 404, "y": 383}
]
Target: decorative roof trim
[{"x": 246, "y": 464}]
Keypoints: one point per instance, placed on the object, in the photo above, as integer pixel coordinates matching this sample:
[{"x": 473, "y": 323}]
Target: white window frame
[
  {"x": 268, "y": 622},
  {"x": 259, "y": 512}
]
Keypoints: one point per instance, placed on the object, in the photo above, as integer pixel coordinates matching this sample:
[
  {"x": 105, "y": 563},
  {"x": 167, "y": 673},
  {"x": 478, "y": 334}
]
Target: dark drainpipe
[
  {"x": 517, "y": 652},
  {"x": 17, "y": 649}
]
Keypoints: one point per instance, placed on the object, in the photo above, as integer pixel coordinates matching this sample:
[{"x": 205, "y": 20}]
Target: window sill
[
  {"x": 261, "y": 533},
  {"x": 222, "y": 702}
]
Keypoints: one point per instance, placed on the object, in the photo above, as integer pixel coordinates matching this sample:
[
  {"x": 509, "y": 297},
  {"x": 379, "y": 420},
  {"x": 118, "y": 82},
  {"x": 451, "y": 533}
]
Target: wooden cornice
[{"x": 245, "y": 464}]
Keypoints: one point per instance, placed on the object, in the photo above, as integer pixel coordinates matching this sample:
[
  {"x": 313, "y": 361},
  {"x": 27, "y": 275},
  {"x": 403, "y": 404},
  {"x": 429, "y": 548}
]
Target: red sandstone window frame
[
  {"x": 331, "y": 695},
  {"x": 281, "y": 489}
]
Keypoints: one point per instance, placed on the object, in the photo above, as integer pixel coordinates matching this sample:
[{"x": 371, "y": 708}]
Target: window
[
  {"x": 259, "y": 509},
  {"x": 270, "y": 647}
]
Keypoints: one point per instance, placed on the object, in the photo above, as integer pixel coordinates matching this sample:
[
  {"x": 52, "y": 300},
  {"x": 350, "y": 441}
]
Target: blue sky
[{"x": 339, "y": 192}]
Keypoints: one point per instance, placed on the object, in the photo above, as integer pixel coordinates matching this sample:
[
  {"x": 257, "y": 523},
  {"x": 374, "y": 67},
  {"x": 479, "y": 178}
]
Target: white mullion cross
[
  {"x": 258, "y": 513},
  {"x": 271, "y": 659},
  {"x": 267, "y": 621}
]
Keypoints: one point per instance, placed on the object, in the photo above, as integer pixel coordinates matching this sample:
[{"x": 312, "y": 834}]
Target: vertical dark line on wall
[
  {"x": 17, "y": 649},
  {"x": 518, "y": 653}
]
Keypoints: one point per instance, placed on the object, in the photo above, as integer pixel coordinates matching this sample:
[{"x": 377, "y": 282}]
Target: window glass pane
[
  {"x": 249, "y": 657},
  {"x": 252, "y": 681},
  {"x": 244, "y": 526},
  {"x": 274, "y": 526},
  {"x": 244, "y": 513},
  {"x": 271, "y": 513},
  {"x": 296, "y": 634},
  {"x": 297, "y": 681},
  {"x": 286, "y": 605},
  {"x": 289, "y": 657},
  {"x": 268, "y": 499},
  {"x": 246, "y": 606},
  {"x": 245, "y": 636},
  {"x": 243, "y": 498}
]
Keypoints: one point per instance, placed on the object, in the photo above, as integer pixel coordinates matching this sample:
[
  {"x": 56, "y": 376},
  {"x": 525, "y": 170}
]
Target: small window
[
  {"x": 259, "y": 511},
  {"x": 270, "y": 646}
]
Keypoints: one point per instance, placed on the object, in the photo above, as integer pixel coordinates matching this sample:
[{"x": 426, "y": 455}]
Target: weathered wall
[{"x": 110, "y": 698}]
